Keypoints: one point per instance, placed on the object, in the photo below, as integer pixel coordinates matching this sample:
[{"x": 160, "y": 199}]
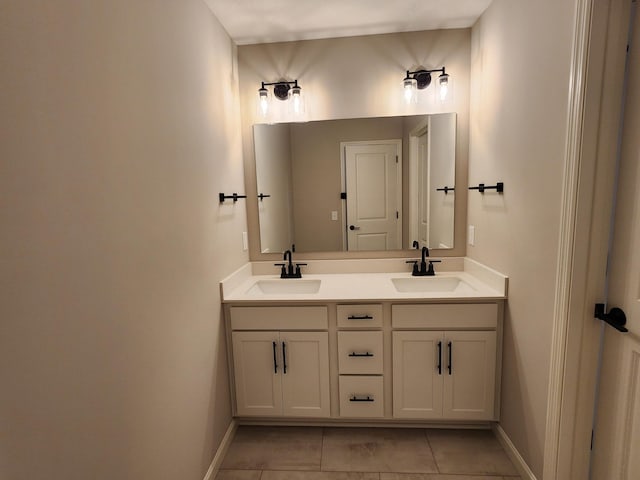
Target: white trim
[
  {"x": 421, "y": 128},
  {"x": 565, "y": 261},
  {"x": 222, "y": 451},
  {"x": 513, "y": 453}
]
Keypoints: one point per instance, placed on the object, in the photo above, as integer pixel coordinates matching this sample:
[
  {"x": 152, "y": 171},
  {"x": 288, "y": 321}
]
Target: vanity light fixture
[
  {"x": 282, "y": 90},
  {"x": 421, "y": 79}
]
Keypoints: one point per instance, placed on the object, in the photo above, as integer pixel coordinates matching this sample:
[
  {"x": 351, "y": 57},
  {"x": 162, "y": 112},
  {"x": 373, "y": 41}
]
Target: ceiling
[{"x": 266, "y": 21}]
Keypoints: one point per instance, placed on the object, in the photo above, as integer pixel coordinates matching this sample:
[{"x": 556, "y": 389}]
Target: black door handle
[
  {"x": 439, "y": 358},
  {"x": 616, "y": 317},
  {"x": 450, "y": 349},
  {"x": 284, "y": 358},
  {"x": 354, "y": 227},
  {"x": 275, "y": 361}
]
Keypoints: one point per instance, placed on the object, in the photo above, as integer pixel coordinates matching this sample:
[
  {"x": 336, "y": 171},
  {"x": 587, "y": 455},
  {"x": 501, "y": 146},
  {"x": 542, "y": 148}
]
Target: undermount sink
[
  {"x": 431, "y": 284},
  {"x": 284, "y": 287}
]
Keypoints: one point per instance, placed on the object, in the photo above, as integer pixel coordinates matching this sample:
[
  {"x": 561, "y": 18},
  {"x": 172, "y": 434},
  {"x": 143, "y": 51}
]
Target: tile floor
[{"x": 321, "y": 453}]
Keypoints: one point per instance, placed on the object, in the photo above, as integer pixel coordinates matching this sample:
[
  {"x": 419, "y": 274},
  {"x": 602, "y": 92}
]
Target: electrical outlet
[
  {"x": 334, "y": 215},
  {"x": 471, "y": 236}
]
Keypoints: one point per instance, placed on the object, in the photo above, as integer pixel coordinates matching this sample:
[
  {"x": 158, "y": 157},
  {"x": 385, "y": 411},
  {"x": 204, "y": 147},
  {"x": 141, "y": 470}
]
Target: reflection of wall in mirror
[
  {"x": 316, "y": 175},
  {"x": 442, "y": 141},
  {"x": 273, "y": 170}
]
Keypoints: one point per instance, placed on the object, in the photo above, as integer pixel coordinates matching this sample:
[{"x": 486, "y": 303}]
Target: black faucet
[
  {"x": 423, "y": 262},
  {"x": 287, "y": 270},
  {"x": 423, "y": 269}
]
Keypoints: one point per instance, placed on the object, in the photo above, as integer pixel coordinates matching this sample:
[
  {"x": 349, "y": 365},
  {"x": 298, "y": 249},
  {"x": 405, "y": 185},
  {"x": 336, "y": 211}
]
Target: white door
[
  {"x": 257, "y": 373},
  {"x": 616, "y": 451},
  {"x": 418, "y": 368},
  {"x": 373, "y": 187},
  {"x": 305, "y": 374},
  {"x": 469, "y": 375}
]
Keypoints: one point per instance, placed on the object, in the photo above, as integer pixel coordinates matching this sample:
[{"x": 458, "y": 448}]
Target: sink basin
[
  {"x": 431, "y": 284},
  {"x": 284, "y": 287}
]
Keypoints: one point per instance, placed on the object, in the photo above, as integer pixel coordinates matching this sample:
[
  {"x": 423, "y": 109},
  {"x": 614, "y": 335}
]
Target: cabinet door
[
  {"x": 258, "y": 380},
  {"x": 417, "y": 380},
  {"x": 469, "y": 389},
  {"x": 305, "y": 383}
]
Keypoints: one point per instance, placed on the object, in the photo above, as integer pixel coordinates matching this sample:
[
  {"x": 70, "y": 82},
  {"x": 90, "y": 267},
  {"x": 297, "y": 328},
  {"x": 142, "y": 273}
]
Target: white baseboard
[
  {"x": 222, "y": 450},
  {"x": 523, "y": 469}
]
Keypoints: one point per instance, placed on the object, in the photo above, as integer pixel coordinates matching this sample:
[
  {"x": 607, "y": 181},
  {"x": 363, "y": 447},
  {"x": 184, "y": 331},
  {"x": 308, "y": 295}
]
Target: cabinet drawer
[
  {"x": 359, "y": 316},
  {"x": 360, "y": 352},
  {"x": 445, "y": 317},
  {"x": 279, "y": 318},
  {"x": 361, "y": 396}
]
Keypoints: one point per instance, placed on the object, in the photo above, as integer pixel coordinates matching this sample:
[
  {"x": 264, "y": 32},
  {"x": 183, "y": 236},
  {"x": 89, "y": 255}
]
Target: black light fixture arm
[
  {"x": 281, "y": 82},
  {"x": 280, "y": 88},
  {"x": 422, "y": 77},
  {"x": 423, "y": 70}
]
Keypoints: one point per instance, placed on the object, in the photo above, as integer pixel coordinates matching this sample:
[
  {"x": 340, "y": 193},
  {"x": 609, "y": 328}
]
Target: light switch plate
[
  {"x": 245, "y": 241},
  {"x": 334, "y": 215},
  {"x": 472, "y": 235}
]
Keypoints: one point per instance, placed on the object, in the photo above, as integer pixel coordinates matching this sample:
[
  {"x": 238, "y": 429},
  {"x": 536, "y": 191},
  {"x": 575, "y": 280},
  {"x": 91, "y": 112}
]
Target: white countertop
[{"x": 477, "y": 282}]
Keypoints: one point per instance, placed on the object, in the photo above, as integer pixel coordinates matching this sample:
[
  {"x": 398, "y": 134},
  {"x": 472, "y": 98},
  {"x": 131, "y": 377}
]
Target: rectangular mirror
[{"x": 364, "y": 184}]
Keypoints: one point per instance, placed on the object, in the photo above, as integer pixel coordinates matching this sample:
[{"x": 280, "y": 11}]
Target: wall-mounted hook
[{"x": 235, "y": 197}]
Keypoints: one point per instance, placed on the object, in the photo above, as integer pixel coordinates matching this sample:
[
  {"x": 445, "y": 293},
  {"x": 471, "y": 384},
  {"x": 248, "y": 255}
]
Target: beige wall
[
  {"x": 273, "y": 168},
  {"x": 520, "y": 63},
  {"x": 357, "y": 77},
  {"x": 119, "y": 127}
]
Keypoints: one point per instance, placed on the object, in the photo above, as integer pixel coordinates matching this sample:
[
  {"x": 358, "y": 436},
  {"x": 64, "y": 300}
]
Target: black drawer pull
[
  {"x": 355, "y": 398},
  {"x": 359, "y": 317},
  {"x": 365, "y": 354}
]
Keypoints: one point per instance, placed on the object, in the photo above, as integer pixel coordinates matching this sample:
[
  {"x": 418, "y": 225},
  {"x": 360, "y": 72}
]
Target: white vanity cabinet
[
  {"x": 443, "y": 374},
  {"x": 278, "y": 372},
  {"x": 366, "y": 362}
]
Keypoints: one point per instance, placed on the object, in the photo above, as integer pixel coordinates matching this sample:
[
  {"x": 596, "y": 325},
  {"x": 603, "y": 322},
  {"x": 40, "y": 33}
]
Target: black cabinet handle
[
  {"x": 450, "y": 350},
  {"x": 439, "y": 358},
  {"x": 284, "y": 358},
  {"x": 365, "y": 354},
  {"x": 359, "y": 317},
  {"x": 355, "y": 398},
  {"x": 275, "y": 361}
]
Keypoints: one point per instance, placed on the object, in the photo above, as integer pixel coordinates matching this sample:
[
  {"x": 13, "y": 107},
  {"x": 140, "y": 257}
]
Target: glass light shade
[
  {"x": 263, "y": 102},
  {"x": 410, "y": 86},
  {"x": 443, "y": 86},
  {"x": 296, "y": 101}
]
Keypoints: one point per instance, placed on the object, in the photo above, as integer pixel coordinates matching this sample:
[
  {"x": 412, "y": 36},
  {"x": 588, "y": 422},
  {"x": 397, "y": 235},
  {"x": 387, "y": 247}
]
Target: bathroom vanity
[{"x": 372, "y": 345}]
